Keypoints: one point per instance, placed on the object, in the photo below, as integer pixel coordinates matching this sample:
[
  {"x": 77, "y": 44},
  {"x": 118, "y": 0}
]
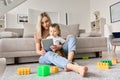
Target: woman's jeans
[{"x": 53, "y": 58}]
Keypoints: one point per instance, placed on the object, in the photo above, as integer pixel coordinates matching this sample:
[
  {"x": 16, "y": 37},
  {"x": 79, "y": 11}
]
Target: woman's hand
[
  {"x": 54, "y": 47},
  {"x": 42, "y": 52}
]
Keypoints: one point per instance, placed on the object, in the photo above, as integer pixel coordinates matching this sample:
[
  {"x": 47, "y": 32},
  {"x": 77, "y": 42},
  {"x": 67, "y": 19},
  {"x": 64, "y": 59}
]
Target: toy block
[
  {"x": 43, "y": 70},
  {"x": 23, "y": 71},
  {"x": 54, "y": 69},
  {"x": 104, "y": 66},
  {"x": 85, "y": 57},
  {"x": 107, "y": 61},
  {"x": 114, "y": 61}
]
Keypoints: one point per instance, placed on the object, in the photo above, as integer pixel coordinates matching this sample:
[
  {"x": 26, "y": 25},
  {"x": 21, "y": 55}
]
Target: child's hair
[{"x": 55, "y": 25}]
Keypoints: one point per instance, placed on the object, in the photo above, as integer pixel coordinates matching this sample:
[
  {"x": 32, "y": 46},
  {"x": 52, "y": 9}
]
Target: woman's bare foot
[
  {"x": 83, "y": 71},
  {"x": 67, "y": 70}
]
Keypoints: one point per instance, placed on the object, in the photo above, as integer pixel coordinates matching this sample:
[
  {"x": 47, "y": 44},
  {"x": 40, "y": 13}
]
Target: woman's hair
[
  {"x": 55, "y": 25},
  {"x": 39, "y": 25}
]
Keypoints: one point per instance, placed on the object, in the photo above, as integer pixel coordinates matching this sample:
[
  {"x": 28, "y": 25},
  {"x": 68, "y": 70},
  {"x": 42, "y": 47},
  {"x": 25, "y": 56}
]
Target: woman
[{"x": 50, "y": 57}]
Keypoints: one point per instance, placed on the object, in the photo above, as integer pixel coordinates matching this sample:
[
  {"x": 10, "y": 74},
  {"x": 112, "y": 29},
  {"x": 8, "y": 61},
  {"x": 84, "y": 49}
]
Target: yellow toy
[
  {"x": 104, "y": 66},
  {"x": 23, "y": 71},
  {"x": 54, "y": 69},
  {"x": 114, "y": 61}
]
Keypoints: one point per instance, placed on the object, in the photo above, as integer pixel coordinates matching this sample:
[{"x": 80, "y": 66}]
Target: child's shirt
[{"x": 56, "y": 40}]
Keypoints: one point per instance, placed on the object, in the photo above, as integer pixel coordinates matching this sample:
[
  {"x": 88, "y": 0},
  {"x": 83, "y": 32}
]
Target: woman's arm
[{"x": 39, "y": 49}]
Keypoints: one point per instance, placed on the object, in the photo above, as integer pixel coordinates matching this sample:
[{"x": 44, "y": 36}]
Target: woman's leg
[
  {"x": 53, "y": 58},
  {"x": 82, "y": 70},
  {"x": 69, "y": 47}
]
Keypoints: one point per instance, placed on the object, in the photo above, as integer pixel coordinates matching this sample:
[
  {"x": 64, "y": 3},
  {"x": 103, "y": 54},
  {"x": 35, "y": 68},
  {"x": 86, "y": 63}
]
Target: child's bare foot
[
  {"x": 66, "y": 70},
  {"x": 84, "y": 71}
]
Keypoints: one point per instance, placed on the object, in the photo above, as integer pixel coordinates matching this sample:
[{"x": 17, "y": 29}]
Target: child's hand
[{"x": 53, "y": 47}]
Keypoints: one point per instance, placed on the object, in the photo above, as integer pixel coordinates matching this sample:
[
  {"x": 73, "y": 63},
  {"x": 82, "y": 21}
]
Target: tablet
[{"x": 47, "y": 43}]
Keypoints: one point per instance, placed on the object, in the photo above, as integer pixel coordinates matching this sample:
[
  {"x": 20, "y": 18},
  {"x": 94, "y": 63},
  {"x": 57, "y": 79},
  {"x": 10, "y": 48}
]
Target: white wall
[
  {"x": 103, "y": 7},
  {"x": 78, "y": 11}
]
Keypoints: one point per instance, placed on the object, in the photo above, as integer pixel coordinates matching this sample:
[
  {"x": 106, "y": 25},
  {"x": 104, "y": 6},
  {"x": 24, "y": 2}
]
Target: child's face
[{"x": 54, "y": 32}]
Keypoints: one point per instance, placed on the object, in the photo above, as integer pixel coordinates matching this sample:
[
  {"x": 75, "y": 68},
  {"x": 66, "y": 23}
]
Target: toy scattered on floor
[
  {"x": 85, "y": 57},
  {"x": 114, "y": 61},
  {"x": 102, "y": 65},
  {"x": 43, "y": 70},
  {"x": 23, "y": 71},
  {"x": 107, "y": 61},
  {"x": 54, "y": 69}
]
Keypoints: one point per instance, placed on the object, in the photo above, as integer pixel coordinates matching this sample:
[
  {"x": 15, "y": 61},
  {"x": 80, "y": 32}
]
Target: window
[{"x": 115, "y": 12}]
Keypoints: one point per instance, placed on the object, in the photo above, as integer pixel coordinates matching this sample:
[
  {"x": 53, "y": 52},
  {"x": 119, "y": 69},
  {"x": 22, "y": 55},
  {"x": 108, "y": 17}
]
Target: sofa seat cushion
[
  {"x": 17, "y": 44},
  {"x": 18, "y": 54},
  {"x": 91, "y": 42}
]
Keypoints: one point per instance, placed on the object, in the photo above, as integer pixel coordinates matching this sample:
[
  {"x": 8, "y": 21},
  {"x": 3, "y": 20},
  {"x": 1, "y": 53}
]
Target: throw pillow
[
  {"x": 29, "y": 30},
  {"x": 69, "y": 30},
  {"x": 8, "y": 34}
]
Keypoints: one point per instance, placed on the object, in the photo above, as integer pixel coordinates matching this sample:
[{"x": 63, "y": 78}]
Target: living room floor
[{"x": 93, "y": 73}]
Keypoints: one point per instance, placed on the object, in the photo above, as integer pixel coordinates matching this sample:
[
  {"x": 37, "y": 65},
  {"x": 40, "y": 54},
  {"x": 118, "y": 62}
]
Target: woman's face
[{"x": 45, "y": 22}]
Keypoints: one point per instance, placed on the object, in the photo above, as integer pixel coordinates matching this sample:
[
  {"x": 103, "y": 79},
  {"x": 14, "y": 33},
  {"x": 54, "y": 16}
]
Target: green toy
[
  {"x": 85, "y": 57},
  {"x": 43, "y": 70},
  {"x": 107, "y": 61}
]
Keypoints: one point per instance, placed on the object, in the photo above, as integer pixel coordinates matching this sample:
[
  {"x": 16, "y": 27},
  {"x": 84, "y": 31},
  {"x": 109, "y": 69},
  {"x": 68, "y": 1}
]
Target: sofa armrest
[{"x": 2, "y": 66}]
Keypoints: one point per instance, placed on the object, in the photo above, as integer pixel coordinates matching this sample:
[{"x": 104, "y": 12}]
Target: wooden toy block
[
  {"x": 54, "y": 69},
  {"x": 23, "y": 71},
  {"x": 104, "y": 66},
  {"x": 43, "y": 70},
  {"x": 114, "y": 61}
]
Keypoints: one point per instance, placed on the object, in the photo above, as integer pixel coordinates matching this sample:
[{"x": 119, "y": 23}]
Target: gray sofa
[{"x": 21, "y": 48}]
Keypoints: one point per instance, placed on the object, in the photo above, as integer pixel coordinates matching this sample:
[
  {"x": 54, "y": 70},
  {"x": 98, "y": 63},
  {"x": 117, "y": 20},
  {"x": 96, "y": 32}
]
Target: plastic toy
[
  {"x": 107, "y": 61},
  {"x": 54, "y": 69},
  {"x": 114, "y": 61},
  {"x": 85, "y": 57},
  {"x": 43, "y": 70},
  {"x": 104, "y": 66},
  {"x": 23, "y": 71}
]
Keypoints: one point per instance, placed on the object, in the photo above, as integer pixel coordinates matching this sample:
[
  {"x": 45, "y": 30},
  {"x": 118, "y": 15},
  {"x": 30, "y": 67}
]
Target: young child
[{"x": 54, "y": 32}]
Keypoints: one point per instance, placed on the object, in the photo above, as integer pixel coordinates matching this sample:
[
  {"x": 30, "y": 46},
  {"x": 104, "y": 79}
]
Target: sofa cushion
[
  {"x": 8, "y": 34},
  {"x": 91, "y": 34},
  {"x": 19, "y": 31},
  {"x": 29, "y": 30},
  {"x": 69, "y": 29},
  {"x": 95, "y": 34}
]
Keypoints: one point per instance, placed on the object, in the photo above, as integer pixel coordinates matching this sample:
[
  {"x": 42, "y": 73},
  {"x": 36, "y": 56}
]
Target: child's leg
[{"x": 82, "y": 70}]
